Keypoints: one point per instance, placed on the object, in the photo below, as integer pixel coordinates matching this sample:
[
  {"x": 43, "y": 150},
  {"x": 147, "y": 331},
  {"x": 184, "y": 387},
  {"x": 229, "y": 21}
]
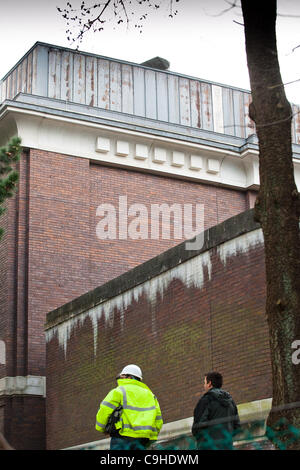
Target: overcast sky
[{"x": 199, "y": 41}]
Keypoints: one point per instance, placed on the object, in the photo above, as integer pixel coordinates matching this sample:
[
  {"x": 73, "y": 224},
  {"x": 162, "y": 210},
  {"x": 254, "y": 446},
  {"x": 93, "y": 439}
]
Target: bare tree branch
[
  {"x": 120, "y": 11},
  {"x": 284, "y": 84},
  {"x": 231, "y": 7},
  {"x": 237, "y": 22},
  {"x": 294, "y": 48}
]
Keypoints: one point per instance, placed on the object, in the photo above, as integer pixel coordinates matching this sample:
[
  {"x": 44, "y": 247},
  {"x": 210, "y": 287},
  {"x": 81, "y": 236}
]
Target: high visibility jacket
[{"x": 141, "y": 416}]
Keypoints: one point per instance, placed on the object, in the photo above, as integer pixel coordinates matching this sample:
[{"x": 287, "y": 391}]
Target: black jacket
[{"x": 215, "y": 418}]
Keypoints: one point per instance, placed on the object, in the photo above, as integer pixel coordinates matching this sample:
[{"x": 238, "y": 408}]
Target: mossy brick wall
[{"x": 175, "y": 338}]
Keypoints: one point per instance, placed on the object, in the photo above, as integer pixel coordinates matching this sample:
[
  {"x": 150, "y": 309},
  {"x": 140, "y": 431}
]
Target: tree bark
[{"x": 277, "y": 205}]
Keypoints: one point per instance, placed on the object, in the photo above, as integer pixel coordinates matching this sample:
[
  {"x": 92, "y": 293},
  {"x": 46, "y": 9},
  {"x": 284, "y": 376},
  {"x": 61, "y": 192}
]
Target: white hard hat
[{"x": 132, "y": 369}]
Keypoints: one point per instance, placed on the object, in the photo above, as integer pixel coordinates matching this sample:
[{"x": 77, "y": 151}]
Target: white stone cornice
[
  {"x": 251, "y": 164},
  {"x": 132, "y": 149},
  {"x": 20, "y": 385},
  {"x": 20, "y": 114},
  {"x": 128, "y": 148}
]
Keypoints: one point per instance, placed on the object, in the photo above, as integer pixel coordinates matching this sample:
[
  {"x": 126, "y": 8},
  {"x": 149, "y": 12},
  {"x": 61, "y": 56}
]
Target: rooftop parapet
[
  {"x": 99, "y": 82},
  {"x": 134, "y": 89}
]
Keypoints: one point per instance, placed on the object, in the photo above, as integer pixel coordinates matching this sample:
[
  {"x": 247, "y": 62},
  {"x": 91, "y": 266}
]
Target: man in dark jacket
[{"x": 215, "y": 416}]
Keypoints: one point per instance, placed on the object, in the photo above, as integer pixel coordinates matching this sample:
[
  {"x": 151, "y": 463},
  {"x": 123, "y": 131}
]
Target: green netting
[{"x": 254, "y": 435}]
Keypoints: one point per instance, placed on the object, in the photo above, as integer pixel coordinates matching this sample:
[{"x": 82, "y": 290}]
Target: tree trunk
[{"x": 277, "y": 205}]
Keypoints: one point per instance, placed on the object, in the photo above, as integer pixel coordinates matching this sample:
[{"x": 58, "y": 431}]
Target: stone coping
[{"x": 250, "y": 411}]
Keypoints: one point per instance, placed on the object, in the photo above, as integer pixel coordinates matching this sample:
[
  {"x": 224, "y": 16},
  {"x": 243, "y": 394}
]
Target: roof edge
[{"x": 112, "y": 59}]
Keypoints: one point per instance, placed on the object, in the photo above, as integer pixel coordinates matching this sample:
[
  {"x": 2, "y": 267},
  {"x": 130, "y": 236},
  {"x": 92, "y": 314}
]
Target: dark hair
[
  {"x": 136, "y": 378},
  {"x": 215, "y": 378},
  {"x": 130, "y": 376}
]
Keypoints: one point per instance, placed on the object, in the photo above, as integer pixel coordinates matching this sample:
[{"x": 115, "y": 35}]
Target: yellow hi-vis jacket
[{"x": 141, "y": 416}]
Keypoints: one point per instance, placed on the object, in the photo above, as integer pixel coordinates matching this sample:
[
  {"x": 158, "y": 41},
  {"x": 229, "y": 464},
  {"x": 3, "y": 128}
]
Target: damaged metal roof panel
[{"x": 134, "y": 89}]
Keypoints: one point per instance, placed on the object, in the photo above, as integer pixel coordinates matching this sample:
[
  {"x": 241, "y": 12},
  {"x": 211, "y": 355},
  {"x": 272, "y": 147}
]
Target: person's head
[
  {"x": 131, "y": 372},
  {"x": 127, "y": 376},
  {"x": 212, "y": 380}
]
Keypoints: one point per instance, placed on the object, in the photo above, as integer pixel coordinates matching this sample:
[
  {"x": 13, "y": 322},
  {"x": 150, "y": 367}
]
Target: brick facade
[
  {"x": 51, "y": 252},
  {"x": 175, "y": 333},
  {"x": 156, "y": 137}
]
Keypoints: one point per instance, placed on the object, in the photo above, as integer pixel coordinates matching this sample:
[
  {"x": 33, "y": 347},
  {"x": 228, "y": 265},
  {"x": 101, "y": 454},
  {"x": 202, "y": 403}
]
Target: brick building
[
  {"x": 99, "y": 131},
  {"x": 178, "y": 316}
]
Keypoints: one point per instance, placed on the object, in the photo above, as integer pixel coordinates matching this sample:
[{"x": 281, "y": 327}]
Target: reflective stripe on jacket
[{"x": 141, "y": 416}]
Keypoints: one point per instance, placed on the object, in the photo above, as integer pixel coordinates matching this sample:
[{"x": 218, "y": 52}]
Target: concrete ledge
[
  {"x": 29, "y": 385},
  {"x": 255, "y": 410},
  {"x": 248, "y": 412}
]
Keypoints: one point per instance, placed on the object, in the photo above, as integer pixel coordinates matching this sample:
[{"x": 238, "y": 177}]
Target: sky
[{"x": 201, "y": 41}]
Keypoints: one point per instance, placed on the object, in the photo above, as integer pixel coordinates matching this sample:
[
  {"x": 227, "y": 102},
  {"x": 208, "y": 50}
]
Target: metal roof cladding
[{"x": 137, "y": 90}]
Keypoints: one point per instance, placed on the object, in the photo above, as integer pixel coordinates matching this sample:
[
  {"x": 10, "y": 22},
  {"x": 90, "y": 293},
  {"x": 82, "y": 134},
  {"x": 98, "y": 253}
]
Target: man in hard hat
[{"x": 140, "y": 420}]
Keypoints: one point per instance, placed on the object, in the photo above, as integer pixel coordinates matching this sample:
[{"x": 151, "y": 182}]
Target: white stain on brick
[
  {"x": 241, "y": 244},
  {"x": 191, "y": 273}
]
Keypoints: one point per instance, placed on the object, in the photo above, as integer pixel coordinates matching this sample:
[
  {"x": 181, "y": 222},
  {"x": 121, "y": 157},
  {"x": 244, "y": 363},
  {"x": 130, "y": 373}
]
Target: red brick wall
[
  {"x": 53, "y": 254},
  {"x": 14, "y": 272},
  {"x": 7, "y": 265},
  {"x": 5, "y": 299},
  {"x": 3, "y": 286},
  {"x": 107, "y": 184},
  {"x": 24, "y": 425},
  {"x": 66, "y": 259},
  {"x": 188, "y": 332},
  {"x": 22, "y": 418}
]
